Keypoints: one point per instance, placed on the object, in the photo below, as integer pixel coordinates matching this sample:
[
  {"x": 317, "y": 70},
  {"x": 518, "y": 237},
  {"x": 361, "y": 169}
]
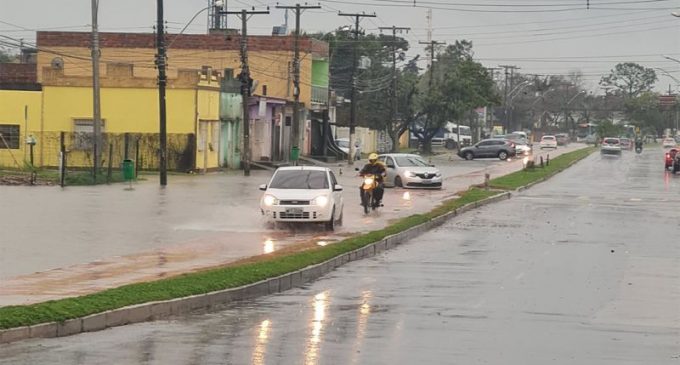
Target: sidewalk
[{"x": 66, "y": 243}]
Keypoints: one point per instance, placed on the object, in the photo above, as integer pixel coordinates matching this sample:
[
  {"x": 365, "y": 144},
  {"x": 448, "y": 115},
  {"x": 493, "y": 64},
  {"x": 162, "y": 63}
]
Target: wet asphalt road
[
  {"x": 57, "y": 244},
  {"x": 583, "y": 269}
]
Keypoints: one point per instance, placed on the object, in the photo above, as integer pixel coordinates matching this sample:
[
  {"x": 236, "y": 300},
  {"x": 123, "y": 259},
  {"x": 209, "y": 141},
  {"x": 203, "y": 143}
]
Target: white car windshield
[
  {"x": 297, "y": 179},
  {"x": 343, "y": 144},
  {"x": 406, "y": 161},
  {"x": 611, "y": 141},
  {"x": 548, "y": 138}
]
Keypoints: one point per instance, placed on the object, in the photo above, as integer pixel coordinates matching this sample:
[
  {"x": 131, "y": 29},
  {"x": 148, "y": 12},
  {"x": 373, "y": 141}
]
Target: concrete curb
[{"x": 163, "y": 309}]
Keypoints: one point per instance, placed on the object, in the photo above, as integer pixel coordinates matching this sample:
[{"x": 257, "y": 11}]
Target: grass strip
[
  {"x": 524, "y": 177},
  {"x": 215, "y": 279}
]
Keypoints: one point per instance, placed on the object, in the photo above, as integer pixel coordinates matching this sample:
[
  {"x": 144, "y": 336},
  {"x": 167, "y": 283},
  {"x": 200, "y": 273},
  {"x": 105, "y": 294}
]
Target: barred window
[{"x": 10, "y": 136}]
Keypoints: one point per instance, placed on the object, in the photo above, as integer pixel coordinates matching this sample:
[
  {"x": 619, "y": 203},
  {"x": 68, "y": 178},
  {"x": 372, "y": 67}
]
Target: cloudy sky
[{"x": 539, "y": 36}]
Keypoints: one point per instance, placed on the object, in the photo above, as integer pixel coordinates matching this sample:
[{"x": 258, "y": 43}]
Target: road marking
[{"x": 519, "y": 276}]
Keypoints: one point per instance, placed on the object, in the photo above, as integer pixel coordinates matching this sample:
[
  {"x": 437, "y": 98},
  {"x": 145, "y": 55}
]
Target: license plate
[
  {"x": 426, "y": 181},
  {"x": 294, "y": 210}
]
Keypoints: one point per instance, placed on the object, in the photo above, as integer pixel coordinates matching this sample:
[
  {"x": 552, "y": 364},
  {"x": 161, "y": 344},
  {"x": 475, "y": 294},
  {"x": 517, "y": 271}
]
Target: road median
[{"x": 214, "y": 287}]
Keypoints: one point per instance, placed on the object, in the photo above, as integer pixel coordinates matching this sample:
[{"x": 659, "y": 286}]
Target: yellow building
[
  {"x": 129, "y": 105},
  {"x": 129, "y": 98}
]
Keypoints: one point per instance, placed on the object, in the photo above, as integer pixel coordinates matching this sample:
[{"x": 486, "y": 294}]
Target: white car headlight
[
  {"x": 410, "y": 174},
  {"x": 320, "y": 201},
  {"x": 270, "y": 200},
  {"x": 438, "y": 174}
]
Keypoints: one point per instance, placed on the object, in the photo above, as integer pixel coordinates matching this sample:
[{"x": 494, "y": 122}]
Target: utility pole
[
  {"x": 432, "y": 45},
  {"x": 354, "y": 96},
  {"x": 295, "y": 135},
  {"x": 491, "y": 114},
  {"x": 246, "y": 82},
  {"x": 506, "y": 123},
  {"x": 162, "y": 81},
  {"x": 394, "y": 29},
  {"x": 96, "y": 106}
]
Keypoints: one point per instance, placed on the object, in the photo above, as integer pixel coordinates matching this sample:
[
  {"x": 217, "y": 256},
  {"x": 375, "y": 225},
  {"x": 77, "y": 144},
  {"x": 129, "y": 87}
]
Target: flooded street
[
  {"x": 578, "y": 270},
  {"x": 74, "y": 241}
]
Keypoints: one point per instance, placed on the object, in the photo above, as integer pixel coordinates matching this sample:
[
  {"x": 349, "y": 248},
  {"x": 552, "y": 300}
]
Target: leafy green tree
[
  {"x": 645, "y": 113},
  {"x": 629, "y": 79},
  {"x": 459, "y": 84},
  {"x": 608, "y": 129},
  {"x": 5, "y": 57}
]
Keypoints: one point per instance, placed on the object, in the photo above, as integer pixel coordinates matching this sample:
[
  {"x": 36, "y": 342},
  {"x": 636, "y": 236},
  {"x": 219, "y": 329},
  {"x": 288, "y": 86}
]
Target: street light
[{"x": 217, "y": 4}]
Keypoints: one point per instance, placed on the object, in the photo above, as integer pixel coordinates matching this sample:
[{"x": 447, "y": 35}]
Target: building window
[
  {"x": 10, "y": 136},
  {"x": 83, "y": 134}
]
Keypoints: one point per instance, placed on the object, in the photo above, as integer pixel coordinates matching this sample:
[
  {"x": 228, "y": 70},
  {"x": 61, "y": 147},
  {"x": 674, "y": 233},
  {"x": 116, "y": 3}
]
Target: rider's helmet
[{"x": 373, "y": 157}]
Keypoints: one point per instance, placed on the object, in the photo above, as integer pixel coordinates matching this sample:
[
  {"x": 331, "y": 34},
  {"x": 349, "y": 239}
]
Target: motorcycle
[
  {"x": 368, "y": 199},
  {"x": 638, "y": 148}
]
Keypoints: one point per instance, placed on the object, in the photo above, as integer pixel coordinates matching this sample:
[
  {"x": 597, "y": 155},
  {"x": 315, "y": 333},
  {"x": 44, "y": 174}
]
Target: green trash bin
[
  {"x": 128, "y": 169},
  {"x": 295, "y": 154}
]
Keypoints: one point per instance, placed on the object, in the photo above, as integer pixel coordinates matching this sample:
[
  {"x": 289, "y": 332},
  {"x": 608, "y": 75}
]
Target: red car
[{"x": 670, "y": 156}]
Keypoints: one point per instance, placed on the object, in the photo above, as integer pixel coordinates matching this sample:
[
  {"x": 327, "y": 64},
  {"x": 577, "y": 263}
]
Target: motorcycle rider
[
  {"x": 376, "y": 168},
  {"x": 638, "y": 144}
]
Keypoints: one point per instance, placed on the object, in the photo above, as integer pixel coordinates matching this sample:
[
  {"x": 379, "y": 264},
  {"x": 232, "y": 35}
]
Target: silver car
[{"x": 410, "y": 171}]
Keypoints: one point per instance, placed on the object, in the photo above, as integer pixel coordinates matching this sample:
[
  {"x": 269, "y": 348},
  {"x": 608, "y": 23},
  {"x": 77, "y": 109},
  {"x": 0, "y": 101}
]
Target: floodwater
[{"x": 65, "y": 242}]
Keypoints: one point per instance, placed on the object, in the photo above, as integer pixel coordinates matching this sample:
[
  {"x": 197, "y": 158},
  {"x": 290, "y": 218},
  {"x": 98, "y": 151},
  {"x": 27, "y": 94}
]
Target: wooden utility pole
[
  {"x": 508, "y": 70},
  {"x": 246, "y": 82},
  {"x": 432, "y": 45},
  {"x": 394, "y": 30},
  {"x": 96, "y": 106},
  {"x": 354, "y": 95},
  {"x": 295, "y": 135},
  {"x": 162, "y": 81}
]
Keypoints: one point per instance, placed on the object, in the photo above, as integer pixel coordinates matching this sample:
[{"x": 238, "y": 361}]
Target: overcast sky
[{"x": 540, "y": 36}]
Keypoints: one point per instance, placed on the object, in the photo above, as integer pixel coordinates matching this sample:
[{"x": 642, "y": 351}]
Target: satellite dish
[{"x": 57, "y": 63}]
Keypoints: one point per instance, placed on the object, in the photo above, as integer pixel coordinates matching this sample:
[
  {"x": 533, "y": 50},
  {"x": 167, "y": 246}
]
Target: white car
[
  {"x": 611, "y": 146},
  {"x": 303, "y": 194},
  {"x": 522, "y": 148},
  {"x": 668, "y": 142},
  {"x": 548, "y": 142},
  {"x": 343, "y": 144},
  {"x": 410, "y": 171}
]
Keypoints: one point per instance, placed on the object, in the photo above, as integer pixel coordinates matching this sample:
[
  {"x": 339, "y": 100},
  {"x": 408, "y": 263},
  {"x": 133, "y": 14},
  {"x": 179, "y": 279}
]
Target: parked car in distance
[
  {"x": 522, "y": 135},
  {"x": 669, "y": 157},
  {"x": 626, "y": 143},
  {"x": 562, "y": 139},
  {"x": 611, "y": 146},
  {"x": 548, "y": 142},
  {"x": 343, "y": 144},
  {"x": 410, "y": 171},
  {"x": 303, "y": 194},
  {"x": 522, "y": 148},
  {"x": 500, "y": 148},
  {"x": 668, "y": 142}
]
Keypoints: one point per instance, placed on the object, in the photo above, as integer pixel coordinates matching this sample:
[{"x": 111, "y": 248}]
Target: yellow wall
[
  {"x": 12, "y": 106},
  {"x": 268, "y": 67},
  {"x": 122, "y": 109}
]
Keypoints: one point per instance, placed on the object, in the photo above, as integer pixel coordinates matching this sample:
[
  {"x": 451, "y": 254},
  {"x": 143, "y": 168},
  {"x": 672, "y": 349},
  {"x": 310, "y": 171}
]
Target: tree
[
  {"x": 608, "y": 129},
  {"x": 629, "y": 79},
  {"x": 459, "y": 84},
  {"x": 6, "y": 57},
  {"x": 644, "y": 112}
]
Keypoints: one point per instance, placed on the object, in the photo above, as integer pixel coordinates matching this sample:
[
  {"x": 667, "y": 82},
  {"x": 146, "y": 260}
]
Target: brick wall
[
  {"x": 184, "y": 41},
  {"x": 18, "y": 73}
]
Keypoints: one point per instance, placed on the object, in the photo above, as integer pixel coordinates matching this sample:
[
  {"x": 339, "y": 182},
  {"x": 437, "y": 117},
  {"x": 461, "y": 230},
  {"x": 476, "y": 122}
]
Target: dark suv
[{"x": 500, "y": 148}]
